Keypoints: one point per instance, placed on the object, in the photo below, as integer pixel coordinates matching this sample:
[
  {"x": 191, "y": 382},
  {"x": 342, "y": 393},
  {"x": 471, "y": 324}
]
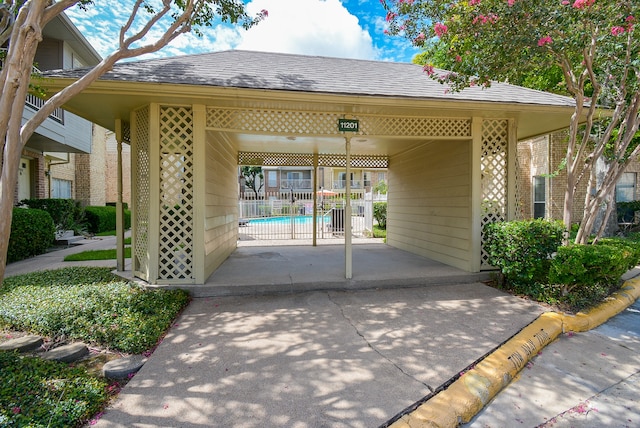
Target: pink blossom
[
  {"x": 420, "y": 38},
  {"x": 565, "y": 2},
  {"x": 391, "y": 16},
  {"x": 265, "y": 13},
  {"x": 583, "y": 4},
  {"x": 474, "y": 2},
  {"x": 440, "y": 29},
  {"x": 429, "y": 69},
  {"x": 16, "y": 410},
  {"x": 511, "y": 2},
  {"x": 544, "y": 41},
  {"x": 458, "y": 58},
  {"x": 616, "y": 31}
]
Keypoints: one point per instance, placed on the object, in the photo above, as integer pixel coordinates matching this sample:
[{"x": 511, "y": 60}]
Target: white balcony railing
[
  {"x": 36, "y": 104},
  {"x": 342, "y": 184},
  {"x": 299, "y": 183}
]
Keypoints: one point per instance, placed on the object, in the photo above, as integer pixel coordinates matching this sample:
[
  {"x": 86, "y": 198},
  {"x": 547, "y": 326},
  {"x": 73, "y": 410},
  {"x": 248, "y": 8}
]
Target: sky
[{"x": 334, "y": 28}]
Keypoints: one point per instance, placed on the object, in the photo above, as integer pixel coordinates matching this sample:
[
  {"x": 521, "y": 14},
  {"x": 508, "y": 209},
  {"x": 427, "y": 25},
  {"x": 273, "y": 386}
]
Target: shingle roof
[{"x": 314, "y": 74}]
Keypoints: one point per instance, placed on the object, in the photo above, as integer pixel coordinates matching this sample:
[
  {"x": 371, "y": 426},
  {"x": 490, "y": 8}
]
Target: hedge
[
  {"x": 66, "y": 213},
  {"x": 103, "y": 219},
  {"x": 32, "y": 233}
]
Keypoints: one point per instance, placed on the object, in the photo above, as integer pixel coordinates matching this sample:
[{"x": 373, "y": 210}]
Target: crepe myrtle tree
[
  {"x": 590, "y": 48},
  {"x": 151, "y": 25}
]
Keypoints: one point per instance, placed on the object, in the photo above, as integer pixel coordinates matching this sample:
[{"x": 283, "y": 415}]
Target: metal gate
[{"x": 289, "y": 215}]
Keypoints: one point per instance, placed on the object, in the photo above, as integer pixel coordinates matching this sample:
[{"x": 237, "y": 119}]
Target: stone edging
[{"x": 466, "y": 396}]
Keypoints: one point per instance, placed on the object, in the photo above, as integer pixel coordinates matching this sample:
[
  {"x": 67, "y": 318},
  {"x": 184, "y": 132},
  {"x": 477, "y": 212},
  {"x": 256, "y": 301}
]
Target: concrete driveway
[{"x": 315, "y": 359}]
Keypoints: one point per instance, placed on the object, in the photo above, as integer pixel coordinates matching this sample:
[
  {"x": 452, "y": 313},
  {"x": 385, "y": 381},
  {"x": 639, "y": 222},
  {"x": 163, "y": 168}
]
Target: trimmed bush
[
  {"x": 380, "y": 213},
  {"x": 32, "y": 233},
  {"x": 103, "y": 219},
  {"x": 67, "y": 214},
  {"x": 522, "y": 250},
  {"x": 587, "y": 265}
]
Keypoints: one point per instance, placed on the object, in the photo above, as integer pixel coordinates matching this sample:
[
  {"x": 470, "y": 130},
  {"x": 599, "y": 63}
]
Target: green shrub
[
  {"x": 32, "y": 232},
  {"x": 103, "y": 219},
  {"x": 522, "y": 249},
  {"x": 89, "y": 304},
  {"x": 67, "y": 214},
  {"x": 578, "y": 266},
  {"x": 40, "y": 393},
  {"x": 380, "y": 213},
  {"x": 626, "y": 211}
]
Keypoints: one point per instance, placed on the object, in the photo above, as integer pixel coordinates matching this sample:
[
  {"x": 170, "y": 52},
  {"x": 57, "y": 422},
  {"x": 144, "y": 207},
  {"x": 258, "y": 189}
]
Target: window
[
  {"x": 60, "y": 189},
  {"x": 626, "y": 187},
  {"x": 272, "y": 177},
  {"x": 366, "y": 175},
  {"x": 539, "y": 197}
]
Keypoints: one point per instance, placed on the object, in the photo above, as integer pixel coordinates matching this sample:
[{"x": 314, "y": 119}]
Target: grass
[
  {"x": 77, "y": 303},
  {"x": 97, "y": 255},
  {"x": 379, "y": 232}
]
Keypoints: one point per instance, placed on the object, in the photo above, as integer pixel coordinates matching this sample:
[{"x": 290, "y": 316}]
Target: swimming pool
[{"x": 285, "y": 220}]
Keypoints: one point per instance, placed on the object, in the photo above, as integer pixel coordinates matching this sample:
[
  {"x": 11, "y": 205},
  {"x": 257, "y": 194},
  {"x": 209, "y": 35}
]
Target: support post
[
  {"x": 347, "y": 214},
  {"x": 119, "y": 208},
  {"x": 315, "y": 199}
]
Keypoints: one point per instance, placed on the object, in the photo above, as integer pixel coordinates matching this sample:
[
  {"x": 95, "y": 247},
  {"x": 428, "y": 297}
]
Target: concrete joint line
[
  {"x": 471, "y": 391},
  {"x": 373, "y": 348}
]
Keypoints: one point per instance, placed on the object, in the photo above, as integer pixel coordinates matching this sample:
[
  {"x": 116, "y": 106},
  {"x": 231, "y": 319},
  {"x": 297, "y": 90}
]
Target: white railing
[
  {"x": 284, "y": 217},
  {"x": 300, "y": 183},
  {"x": 342, "y": 184},
  {"x": 36, "y": 104}
]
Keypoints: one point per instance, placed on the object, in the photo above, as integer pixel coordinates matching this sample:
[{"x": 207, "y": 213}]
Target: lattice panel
[
  {"x": 493, "y": 168},
  {"x": 126, "y": 132},
  {"x": 141, "y": 203},
  {"x": 273, "y": 121},
  {"x": 415, "y": 126},
  {"x": 275, "y": 159},
  {"x": 175, "y": 260},
  {"x": 311, "y": 123},
  {"x": 304, "y": 159}
]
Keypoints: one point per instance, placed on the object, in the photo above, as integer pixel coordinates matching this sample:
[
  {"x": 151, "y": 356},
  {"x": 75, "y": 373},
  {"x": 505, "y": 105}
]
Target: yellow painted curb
[{"x": 465, "y": 397}]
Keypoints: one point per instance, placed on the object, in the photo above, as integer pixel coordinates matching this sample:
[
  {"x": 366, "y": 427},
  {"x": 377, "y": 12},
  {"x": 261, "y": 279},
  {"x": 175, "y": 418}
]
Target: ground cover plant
[
  {"x": 89, "y": 304},
  {"x": 41, "y": 393},
  {"x": 84, "y": 303}
]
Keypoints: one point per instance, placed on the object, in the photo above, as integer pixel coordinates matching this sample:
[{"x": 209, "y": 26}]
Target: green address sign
[{"x": 348, "y": 125}]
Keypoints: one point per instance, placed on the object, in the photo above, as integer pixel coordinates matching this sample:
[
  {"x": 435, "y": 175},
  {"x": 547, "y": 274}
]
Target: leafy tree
[
  {"x": 592, "y": 44},
  {"x": 150, "y": 26},
  {"x": 254, "y": 178}
]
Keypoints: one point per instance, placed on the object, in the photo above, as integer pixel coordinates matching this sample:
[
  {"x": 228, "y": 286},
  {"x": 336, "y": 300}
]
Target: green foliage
[
  {"x": 32, "y": 233},
  {"x": 379, "y": 232},
  {"x": 380, "y": 214},
  {"x": 40, "y": 393},
  {"x": 626, "y": 211},
  {"x": 89, "y": 304},
  {"x": 67, "y": 214},
  {"x": 103, "y": 219},
  {"x": 380, "y": 187},
  {"x": 586, "y": 274},
  {"x": 254, "y": 178},
  {"x": 522, "y": 249}
]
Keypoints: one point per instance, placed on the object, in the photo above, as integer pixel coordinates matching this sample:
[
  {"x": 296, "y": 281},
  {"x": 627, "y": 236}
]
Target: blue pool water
[{"x": 303, "y": 219}]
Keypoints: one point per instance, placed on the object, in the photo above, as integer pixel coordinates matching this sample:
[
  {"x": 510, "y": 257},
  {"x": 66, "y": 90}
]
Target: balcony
[
  {"x": 296, "y": 184},
  {"x": 342, "y": 184},
  {"x": 36, "y": 104}
]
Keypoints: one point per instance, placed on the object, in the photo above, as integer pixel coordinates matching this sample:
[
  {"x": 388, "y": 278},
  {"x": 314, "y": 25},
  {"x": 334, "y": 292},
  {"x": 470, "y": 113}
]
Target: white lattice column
[
  {"x": 494, "y": 165},
  {"x": 140, "y": 192}
]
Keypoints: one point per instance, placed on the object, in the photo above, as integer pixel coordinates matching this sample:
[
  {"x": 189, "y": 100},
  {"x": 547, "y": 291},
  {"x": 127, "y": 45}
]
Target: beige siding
[
  {"x": 429, "y": 203},
  {"x": 221, "y": 206}
]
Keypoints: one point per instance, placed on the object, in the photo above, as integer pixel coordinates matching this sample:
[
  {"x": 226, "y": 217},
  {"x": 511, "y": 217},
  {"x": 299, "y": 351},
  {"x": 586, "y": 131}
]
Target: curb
[{"x": 468, "y": 394}]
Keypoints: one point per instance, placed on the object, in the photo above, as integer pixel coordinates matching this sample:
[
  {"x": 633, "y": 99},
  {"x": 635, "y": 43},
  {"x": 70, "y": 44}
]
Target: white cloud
[{"x": 311, "y": 27}]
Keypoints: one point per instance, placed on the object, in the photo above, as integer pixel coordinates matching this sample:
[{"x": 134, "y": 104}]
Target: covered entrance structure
[{"x": 191, "y": 120}]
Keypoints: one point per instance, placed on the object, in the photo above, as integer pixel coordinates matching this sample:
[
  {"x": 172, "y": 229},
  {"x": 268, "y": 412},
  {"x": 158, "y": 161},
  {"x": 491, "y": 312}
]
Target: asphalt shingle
[{"x": 313, "y": 74}]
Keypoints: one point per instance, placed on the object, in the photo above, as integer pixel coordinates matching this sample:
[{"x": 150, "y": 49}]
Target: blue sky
[{"x": 336, "y": 28}]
